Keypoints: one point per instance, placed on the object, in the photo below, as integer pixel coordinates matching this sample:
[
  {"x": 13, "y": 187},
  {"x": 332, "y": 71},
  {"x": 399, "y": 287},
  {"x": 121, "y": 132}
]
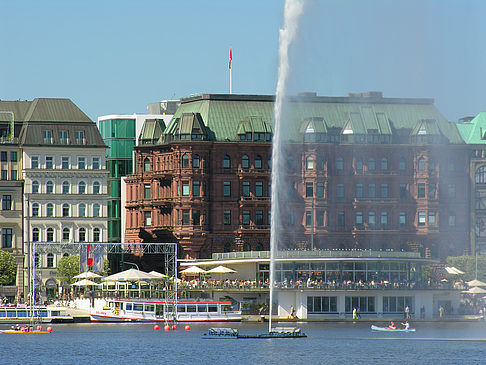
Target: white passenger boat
[
  {"x": 40, "y": 314},
  {"x": 126, "y": 310}
]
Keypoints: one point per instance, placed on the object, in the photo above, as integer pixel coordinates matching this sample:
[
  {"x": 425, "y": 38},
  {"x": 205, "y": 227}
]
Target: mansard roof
[
  {"x": 53, "y": 114},
  {"x": 368, "y": 113}
]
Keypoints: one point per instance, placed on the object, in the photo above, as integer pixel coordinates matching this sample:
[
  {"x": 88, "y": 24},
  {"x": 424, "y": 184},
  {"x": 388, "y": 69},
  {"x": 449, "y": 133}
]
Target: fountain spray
[{"x": 292, "y": 11}]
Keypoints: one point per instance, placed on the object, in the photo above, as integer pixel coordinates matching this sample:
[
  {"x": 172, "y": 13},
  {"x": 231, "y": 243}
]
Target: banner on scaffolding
[{"x": 91, "y": 256}]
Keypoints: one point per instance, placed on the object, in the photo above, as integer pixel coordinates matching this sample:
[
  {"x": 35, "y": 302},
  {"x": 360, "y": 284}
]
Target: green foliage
[
  {"x": 67, "y": 268},
  {"x": 8, "y": 268},
  {"x": 468, "y": 265}
]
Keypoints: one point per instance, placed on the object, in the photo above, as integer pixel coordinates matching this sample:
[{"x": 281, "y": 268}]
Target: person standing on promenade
[
  {"x": 406, "y": 315},
  {"x": 354, "y": 313}
]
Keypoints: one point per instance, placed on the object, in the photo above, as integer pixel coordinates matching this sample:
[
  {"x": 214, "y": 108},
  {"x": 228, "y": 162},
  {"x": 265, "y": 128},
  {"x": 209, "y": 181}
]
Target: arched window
[
  {"x": 50, "y": 234},
  {"x": 421, "y": 164},
  {"x": 146, "y": 164},
  {"x": 227, "y": 247},
  {"x": 481, "y": 175},
  {"x": 37, "y": 260},
  {"x": 401, "y": 164},
  {"x": 185, "y": 161},
  {"x": 258, "y": 162},
  {"x": 245, "y": 162},
  {"x": 65, "y": 254},
  {"x": 82, "y": 235},
  {"x": 96, "y": 235},
  {"x": 226, "y": 162},
  {"x": 49, "y": 187},
  {"x": 65, "y": 234},
  {"x": 35, "y": 235},
  {"x": 65, "y": 187},
  {"x": 50, "y": 210},
  {"x": 371, "y": 164},
  {"x": 35, "y": 210},
  {"x": 65, "y": 210},
  {"x": 96, "y": 210},
  {"x": 259, "y": 247},
  {"x": 82, "y": 210},
  {"x": 82, "y": 187},
  {"x": 96, "y": 187},
  {"x": 384, "y": 163},
  {"x": 196, "y": 161},
  {"x": 359, "y": 164},
  {"x": 246, "y": 247},
  {"x": 309, "y": 163},
  {"x": 35, "y": 187},
  {"x": 50, "y": 260}
]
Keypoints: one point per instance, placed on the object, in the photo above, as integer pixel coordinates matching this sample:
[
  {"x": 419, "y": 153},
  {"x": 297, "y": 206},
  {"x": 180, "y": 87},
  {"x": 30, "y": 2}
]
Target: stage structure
[{"x": 169, "y": 250}]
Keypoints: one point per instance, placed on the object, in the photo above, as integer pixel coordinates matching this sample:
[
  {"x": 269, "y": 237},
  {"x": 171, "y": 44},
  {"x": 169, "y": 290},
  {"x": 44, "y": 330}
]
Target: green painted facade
[{"x": 120, "y": 137}]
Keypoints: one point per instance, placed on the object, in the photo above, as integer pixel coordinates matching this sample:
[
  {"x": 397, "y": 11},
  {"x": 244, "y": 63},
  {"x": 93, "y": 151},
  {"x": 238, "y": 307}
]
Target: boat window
[
  {"x": 129, "y": 306},
  {"x": 3, "y": 314},
  {"x": 149, "y": 307},
  {"x": 121, "y": 306},
  {"x": 191, "y": 308},
  {"x": 138, "y": 307},
  {"x": 22, "y": 313},
  {"x": 55, "y": 313},
  {"x": 202, "y": 308},
  {"x": 226, "y": 308},
  {"x": 11, "y": 313},
  {"x": 212, "y": 308},
  {"x": 181, "y": 308},
  {"x": 43, "y": 313}
]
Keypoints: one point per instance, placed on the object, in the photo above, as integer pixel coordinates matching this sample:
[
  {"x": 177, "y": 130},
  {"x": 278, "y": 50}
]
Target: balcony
[{"x": 253, "y": 172}]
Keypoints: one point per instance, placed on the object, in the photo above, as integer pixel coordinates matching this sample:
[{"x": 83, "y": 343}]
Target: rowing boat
[{"x": 388, "y": 329}]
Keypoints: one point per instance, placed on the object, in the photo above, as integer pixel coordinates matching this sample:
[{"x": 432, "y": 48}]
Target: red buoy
[
  {"x": 39, "y": 328},
  {"x": 187, "y": 327},
  {"x": 166, "y": 327},
  {"x": 49, "y": 329},
  {"x": 174, "y": 326},
  {"x": 156, "y": 327}
]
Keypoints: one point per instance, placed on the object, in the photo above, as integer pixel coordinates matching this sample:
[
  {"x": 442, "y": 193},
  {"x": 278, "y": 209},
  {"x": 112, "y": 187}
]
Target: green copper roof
[
  {"x": 224, "y": 114},
  {"x": 474, "y": 132}
]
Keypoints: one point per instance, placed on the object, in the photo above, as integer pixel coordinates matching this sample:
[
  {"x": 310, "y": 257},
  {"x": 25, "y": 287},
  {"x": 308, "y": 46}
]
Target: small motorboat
[
  {"x": 388, "y": 329},
  {"x": 277, "y": 332}
]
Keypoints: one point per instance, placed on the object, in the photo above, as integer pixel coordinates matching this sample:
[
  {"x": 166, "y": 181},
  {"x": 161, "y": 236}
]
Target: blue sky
[{"x": 117, "y": 56}]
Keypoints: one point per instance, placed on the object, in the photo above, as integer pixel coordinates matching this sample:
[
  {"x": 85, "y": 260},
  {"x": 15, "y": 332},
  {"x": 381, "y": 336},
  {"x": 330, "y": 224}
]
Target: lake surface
[{"x": 327, "y": 343}]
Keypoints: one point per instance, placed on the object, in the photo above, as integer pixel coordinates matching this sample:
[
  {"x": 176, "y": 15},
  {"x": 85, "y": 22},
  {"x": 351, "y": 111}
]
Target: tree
[
  {"x": 67, "y": 269},
  {"x": 8, "y": 268},
  {"x": 468, "y": 265}
]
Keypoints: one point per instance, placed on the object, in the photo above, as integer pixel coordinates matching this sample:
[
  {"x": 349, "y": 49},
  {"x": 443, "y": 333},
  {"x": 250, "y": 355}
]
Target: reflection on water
[{"x": 433, "y": 343}]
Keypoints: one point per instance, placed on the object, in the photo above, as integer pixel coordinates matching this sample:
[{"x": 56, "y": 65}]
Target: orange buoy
[
  {"x": 187, "y": 327},
  {"x": 174, "y": 326},
  {"x": 156, "y": 327},
  {"x": 166, "y": 327},
  {"x": 49, "y": 329},
  {"x": 39, "y": 328}
]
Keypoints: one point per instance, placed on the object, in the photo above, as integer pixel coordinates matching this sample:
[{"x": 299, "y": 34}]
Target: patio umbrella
[
  {"x": 86, "y": 282},
  {"x": 87, "y": 275},
  {"x": 475, "y": 282},
  {"x": 453, "y": 271},
  {"x": 157, "y": 275},
  {"x": 129, "y": 275},
  {"x": 475, "y": 290},
  {"x": 221, "y": 270},
  {"x": 194, "y": 270}
]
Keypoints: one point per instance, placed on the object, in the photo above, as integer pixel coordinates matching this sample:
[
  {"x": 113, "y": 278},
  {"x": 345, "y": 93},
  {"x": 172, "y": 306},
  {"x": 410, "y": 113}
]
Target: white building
[{"x": 65, "y": 183}]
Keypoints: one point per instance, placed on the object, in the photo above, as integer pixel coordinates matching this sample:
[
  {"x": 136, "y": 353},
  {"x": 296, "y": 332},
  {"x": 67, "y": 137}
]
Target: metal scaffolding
[{"x": 169, "y": 250}]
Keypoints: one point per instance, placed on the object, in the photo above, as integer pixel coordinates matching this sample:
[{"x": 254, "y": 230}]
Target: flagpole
[{"x": 230, "y": 71}]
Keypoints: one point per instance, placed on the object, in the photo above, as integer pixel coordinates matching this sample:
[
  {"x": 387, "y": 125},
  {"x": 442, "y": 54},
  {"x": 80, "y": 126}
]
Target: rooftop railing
[{"x": 294, "y": 254}]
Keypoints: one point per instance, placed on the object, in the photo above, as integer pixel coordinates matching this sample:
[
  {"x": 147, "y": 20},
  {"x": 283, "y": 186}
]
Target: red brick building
[{"x": 363, "y": 171}]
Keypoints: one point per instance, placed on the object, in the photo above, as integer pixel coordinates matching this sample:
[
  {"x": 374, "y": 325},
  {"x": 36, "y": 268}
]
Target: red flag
[
  {"x": 90, "y": 255},
  {"x": 231, "y": 59}
]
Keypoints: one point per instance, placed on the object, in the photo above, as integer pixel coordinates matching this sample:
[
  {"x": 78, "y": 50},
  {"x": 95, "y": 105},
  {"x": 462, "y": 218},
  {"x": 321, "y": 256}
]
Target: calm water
[{"x": 335, "y": 343}]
